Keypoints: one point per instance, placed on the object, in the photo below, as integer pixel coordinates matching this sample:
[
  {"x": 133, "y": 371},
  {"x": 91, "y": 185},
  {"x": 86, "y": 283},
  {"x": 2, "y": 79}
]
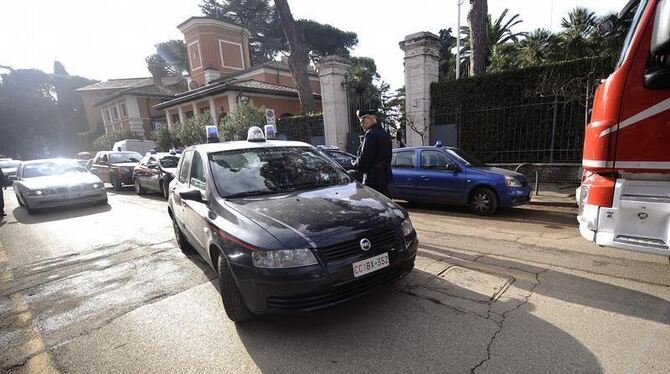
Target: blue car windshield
[
  {"x": 260, "y": 171},
  {"x": 465, "y": 158}
]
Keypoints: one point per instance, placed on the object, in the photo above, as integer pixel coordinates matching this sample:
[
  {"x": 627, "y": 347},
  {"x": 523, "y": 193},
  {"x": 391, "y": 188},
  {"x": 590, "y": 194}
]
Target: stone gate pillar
[
  {"x": 422, "y": 57},
  {"x": 334, "y": 102}
]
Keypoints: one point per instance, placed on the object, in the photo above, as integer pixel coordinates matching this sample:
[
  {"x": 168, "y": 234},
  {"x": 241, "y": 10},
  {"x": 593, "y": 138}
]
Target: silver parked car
[{"x": 56, "y": 182}]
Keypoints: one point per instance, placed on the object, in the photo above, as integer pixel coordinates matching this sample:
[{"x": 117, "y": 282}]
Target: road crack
[{"x": 504, "y": 316}]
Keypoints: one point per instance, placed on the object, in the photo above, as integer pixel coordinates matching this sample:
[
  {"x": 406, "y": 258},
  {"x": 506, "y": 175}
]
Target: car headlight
[
  {"x": 37, "y": 192},
  {"x": 512, "y": 182},
  {"x": 97, "y": 186},
  {"x": 407, "y": 227},
  {"x": 283, "y": 258}
]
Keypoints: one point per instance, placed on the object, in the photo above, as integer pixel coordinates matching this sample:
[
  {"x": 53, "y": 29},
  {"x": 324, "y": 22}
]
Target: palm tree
[
  {"x": 478, "y": 42},
  {"x": 497, "y": 32},
  {"x": 500, "y": 31},
  {"x": 578, "y": 27},
  {"x": 538, "y": 47}
]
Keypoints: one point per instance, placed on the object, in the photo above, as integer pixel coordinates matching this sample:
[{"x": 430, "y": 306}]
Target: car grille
[
  {"x": 69, "y": 189},
  {"x": 341, "y": 293},
  {"x": 380, "y": 240}
]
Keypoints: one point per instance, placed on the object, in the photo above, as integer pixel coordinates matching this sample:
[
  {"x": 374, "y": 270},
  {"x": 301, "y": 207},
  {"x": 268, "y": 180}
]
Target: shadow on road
[
  {"x": 389, "y": 331},
  {"x": 129, "y": 191},
  {"x": 577, "y": 290},
  {"x": 54, "y": 214}
]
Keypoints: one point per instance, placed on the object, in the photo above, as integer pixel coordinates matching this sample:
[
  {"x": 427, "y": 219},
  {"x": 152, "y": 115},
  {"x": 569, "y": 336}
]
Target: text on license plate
[{"x": 370, "y": 264}]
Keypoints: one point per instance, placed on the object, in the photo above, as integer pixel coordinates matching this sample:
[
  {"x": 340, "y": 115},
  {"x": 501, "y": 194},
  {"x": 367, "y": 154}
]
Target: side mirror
[
  {"x": 608, "y": 25},
  {"x": 193, "y": 194},
  {"x": 657, "y": 77},
  {"x": 11, "y": 178},
  {"x": 355, "y": 175},
  {"x": 452, "y": 167}
]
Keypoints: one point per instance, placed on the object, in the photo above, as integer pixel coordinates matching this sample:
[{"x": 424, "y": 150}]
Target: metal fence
[
  {"x": 546, "y": 130},
  {"x": 302, "y": 128}
]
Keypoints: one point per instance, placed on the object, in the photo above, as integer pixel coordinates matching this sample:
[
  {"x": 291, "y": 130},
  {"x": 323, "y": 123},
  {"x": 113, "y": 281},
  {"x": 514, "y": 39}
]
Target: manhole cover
[{"x": 469, "y": 284}]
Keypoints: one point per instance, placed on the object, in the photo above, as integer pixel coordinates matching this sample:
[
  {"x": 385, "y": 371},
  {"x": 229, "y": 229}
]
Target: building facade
[{"x": 221, "y": 75}]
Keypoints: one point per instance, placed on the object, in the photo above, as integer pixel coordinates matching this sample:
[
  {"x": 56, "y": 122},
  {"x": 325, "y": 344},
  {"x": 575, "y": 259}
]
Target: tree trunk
[
  {"x": 298, "y": 60},
  {"x": 477, "y": 17}
]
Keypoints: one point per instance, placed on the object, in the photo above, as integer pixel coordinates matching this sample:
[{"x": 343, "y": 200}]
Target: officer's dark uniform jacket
[{"x": 374, "y": 159}]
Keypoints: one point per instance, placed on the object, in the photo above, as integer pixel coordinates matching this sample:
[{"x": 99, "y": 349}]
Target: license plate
[{"x": 370, "y": 265}]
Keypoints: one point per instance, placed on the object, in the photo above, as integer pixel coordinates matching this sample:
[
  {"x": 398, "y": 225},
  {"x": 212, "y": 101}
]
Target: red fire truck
[{"x": 625, "y": 193}]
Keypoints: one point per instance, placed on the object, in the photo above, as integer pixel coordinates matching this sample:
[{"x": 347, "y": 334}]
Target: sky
[{"x": 102, "y": 39}]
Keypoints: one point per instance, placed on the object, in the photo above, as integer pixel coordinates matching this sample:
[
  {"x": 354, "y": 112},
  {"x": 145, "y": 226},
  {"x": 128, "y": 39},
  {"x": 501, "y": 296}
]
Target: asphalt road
[{"x": 104, "y": 289}]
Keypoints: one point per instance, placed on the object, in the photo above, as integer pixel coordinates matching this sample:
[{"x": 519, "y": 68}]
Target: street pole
[{"x": 458, "y": 41}]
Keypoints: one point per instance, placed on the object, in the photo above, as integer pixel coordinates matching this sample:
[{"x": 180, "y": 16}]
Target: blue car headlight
[
  {"x": 512, "y": 182},
  {"x": 283, "y": 258}
]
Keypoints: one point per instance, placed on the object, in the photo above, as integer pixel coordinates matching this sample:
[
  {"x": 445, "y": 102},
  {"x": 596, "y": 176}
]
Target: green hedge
[
  {"x": 508, "y": 116},
  {"x": 521, "y": 86}
]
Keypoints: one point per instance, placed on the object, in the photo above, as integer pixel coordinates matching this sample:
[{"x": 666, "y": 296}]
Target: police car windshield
[
  {"x": 169, "y": 162},
  {"x": 48, "y": 168},
  {"x": 121, "y": 157},
  {"x": 261, "y": 171}
]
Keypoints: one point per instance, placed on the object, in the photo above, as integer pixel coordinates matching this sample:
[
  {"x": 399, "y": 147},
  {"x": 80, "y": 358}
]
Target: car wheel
[
  {"x": 103, "y": 202},
  {"x": 165, "y": 190},
  {"x": 138, "y": 187},
  {"x": 483, "y": 202},
  {"x": 233, "y": 303},
  {"x": 116, "y": 183},
  {"x": 182, "y": 243}
]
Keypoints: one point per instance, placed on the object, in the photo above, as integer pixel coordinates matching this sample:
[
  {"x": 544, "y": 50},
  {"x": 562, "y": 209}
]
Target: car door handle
[{"x": 424, "y": 178}]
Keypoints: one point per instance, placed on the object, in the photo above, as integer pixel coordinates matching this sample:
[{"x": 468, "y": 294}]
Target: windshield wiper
[{"x": 248, "y": 193}]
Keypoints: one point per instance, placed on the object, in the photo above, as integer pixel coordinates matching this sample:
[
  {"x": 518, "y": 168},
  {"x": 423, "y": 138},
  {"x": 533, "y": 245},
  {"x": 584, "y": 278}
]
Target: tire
[
  {"x": 233, "y": 303},
  {"x": 30, "y": 210},
  {"x": 138, "y": 187},
  {"x": 117, "y": 185},
  {"x": 165, "y": 190},
  {"x": 103, "y": 202},
  {"x": 483, "y": 202},
  {"x": 182, "y": 242}
]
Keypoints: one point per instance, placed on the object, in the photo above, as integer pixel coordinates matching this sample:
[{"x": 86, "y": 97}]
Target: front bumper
[
  {"x": 125, "y": 177},
  {"x": 287, "y": 291},
  {"x": 515, "y": 196},
  {"x": 66, "y": 199}
]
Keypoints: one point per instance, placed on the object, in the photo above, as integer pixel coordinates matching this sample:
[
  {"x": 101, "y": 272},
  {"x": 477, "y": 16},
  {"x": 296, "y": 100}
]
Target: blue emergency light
[
  {"x": 269, "y": 132},
  {"x": 212, "y": 134}
]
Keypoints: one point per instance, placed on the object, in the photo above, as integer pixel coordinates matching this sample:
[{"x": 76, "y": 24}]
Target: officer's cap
[{"x": 365, "y": 112}]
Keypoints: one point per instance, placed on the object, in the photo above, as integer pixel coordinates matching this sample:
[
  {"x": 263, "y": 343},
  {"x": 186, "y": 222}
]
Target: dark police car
[
  {"x": 155, "y": 172},
  {"x": 285, "y": 227}
]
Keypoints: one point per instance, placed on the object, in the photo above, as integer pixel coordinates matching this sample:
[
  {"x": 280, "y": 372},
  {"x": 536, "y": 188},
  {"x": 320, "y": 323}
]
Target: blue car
[{"x": 450, "y": 175}]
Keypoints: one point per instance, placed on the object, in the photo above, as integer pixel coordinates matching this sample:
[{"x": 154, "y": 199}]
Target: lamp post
[{"x": 458, "y": 41}]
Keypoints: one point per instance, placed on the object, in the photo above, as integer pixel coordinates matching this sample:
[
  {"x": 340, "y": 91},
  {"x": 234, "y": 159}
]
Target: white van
[{"x": 134, "y": 145}]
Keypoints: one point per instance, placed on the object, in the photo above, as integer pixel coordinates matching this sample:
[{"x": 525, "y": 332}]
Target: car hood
[
  {"x": 321, "y": 217},
  {"x": 64, "y": 180},
  {"x": 7, "y": 171},
  {"x": 500, "y": 171}
]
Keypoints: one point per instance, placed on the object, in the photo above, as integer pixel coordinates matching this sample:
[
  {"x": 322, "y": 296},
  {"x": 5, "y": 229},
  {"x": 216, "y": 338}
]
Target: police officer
[{"x": 374, "y": 158}]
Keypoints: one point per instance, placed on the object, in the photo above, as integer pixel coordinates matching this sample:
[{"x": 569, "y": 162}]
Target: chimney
[
  {"x": 156, "y": 73},
  {"x": 211, "y": 74}
]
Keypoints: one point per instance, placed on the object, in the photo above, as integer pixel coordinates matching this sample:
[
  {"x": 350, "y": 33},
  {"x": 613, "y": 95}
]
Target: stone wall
[{"x": 561, "y": 174}]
